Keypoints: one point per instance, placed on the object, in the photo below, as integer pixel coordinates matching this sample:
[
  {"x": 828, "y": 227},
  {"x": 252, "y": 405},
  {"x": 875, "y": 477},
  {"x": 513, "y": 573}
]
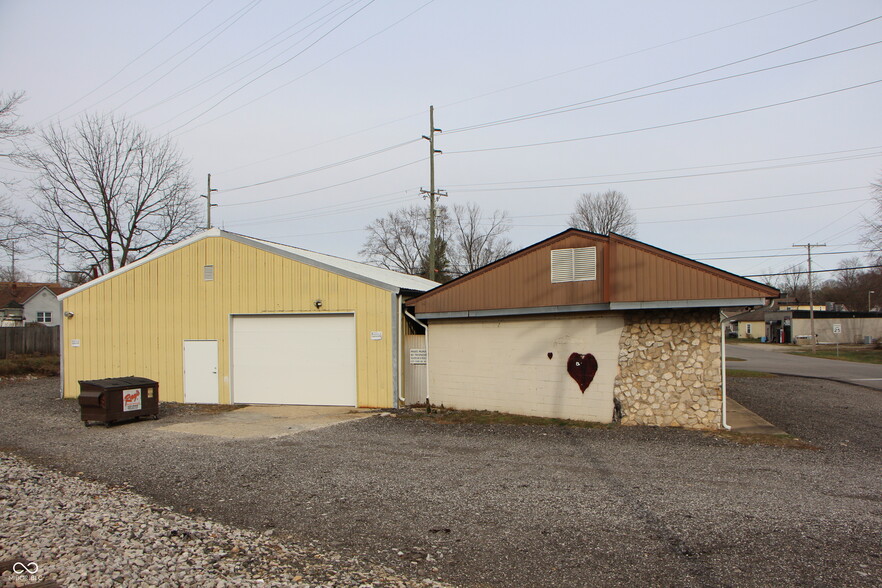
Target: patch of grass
[
  {"x": 787, "y": 441},
  {"x": 444, "y": 416},
  {"x": 855, "y": 354},
  {"x": 745, "y": 340},
  {"x": 748, "y": 374},
  {"x": 30, "y": 365}
]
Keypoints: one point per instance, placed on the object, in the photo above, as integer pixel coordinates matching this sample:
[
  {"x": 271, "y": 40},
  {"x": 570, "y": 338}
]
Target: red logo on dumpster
[{"x": 131, "y": 400}]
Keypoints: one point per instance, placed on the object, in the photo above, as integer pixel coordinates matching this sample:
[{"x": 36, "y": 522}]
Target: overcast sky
[{"x": 781, "y": 151}]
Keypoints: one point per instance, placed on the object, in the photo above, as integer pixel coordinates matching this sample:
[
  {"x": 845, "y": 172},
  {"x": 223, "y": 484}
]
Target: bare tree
[
  {"x": 873, "y": 225},
  {"x": 466, "y": 240},
  {"x": 793, "y": 283},
  {"x": 113, "y": 193},
  {"x": 400, "y": 240},
  {"x": 604, "y": 213},
  {"x": 477, "y": 241},
  {"x": 9, "y": 128}
]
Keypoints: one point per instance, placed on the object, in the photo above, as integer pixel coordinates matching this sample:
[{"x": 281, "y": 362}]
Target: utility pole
[
  {"x": 207, "y": 196},
  {"x": 432, "y": 193},
  {"x": 808, "y": 247},
  {"x": 57, "y": 257}
]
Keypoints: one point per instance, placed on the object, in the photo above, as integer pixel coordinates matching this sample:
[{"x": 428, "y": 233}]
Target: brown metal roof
[{"x": 628, "y": 271}]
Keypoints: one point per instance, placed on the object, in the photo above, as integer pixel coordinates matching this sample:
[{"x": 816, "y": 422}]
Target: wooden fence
[{"x": 30, "y": 339}]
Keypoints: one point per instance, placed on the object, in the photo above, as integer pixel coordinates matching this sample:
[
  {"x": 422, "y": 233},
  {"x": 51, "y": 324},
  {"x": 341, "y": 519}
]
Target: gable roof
[
  {"x": 380, "y": 277},
  {"x": 630, "y": 274},
  {"x": 21, "y": 292}
]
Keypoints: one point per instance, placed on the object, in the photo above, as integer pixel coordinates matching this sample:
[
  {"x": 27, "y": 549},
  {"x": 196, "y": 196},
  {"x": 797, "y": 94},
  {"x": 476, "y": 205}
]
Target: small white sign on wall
[
  {"x": 837, "y": 328},
  {"x": 418, "y": 357},
  {"x": 74, "y": 342},
  {"x": 376, "y": 335}
]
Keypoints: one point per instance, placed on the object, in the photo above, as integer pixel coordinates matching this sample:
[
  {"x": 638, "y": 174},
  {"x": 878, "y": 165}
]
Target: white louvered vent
[
  {"x": 573, "y": 265},
  {"x": 208, "y": 273}
]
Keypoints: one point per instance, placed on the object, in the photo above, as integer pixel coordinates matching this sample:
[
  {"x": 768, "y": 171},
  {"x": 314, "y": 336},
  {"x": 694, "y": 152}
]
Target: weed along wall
[{"x": 670, "y": 369}]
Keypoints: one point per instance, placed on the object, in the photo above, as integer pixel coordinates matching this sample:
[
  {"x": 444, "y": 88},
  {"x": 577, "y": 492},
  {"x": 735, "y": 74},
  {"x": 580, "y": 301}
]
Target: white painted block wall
[{"x": 503, "y": 365}]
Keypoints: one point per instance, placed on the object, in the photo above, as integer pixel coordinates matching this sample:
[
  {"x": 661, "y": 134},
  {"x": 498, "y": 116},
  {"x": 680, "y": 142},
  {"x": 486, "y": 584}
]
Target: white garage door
[{"x": 294, "y": 359}]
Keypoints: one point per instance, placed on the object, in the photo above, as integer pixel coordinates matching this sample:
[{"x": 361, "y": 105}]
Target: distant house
[
  {"x": 29, "y": 302},
  {"x": 748, "y": 325}
]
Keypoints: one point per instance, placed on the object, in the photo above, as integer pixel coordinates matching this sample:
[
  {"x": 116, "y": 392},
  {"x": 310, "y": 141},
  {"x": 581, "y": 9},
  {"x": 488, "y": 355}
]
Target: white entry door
[
  {"x": 200, "y": 372},
  {"x": 294, "y": 359}
]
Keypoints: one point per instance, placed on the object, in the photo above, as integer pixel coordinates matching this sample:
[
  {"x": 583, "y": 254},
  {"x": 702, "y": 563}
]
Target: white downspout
[
  {"x": 723, "y": 320},
  {"x": 401, "y": 333},
  {"x": 426, "y": 327}
]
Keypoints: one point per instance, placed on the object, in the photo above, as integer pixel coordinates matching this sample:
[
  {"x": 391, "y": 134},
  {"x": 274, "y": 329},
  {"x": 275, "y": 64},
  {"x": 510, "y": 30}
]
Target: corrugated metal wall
[
  {"x": 414, "y": 373},
  {"x": 135, "y": 323}
]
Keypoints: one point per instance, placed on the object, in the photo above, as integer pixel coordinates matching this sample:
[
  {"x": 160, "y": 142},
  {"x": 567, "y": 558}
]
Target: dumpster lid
[{"x": 131, "y": 381}]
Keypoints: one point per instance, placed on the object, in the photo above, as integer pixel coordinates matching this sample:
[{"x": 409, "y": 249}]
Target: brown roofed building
[{"x": 586, "y": 326}]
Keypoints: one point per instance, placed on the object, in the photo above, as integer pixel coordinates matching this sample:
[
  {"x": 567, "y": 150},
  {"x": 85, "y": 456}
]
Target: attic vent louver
[
  {"x": 573, "y": 265},
  {"x": 208, "y": 273}
]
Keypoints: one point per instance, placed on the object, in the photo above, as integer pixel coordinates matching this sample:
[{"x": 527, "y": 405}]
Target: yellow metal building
[{"x": 226, "y": 318}]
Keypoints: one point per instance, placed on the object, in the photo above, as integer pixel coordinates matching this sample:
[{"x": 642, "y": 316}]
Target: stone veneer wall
[{"x": 670, "y": 369}]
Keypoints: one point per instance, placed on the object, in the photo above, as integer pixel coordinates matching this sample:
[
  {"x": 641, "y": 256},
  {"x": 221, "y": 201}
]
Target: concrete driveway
[
  {"x": 775, "y": 360},
  {"x": 267, "y": 421}
]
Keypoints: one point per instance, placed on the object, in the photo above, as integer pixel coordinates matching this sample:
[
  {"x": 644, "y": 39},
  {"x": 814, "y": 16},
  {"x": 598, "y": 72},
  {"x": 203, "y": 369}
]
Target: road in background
[{"x": 773, "y": 359}]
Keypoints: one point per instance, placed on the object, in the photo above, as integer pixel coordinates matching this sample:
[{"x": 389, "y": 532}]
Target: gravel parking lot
[{"x": 514, "y": 505}]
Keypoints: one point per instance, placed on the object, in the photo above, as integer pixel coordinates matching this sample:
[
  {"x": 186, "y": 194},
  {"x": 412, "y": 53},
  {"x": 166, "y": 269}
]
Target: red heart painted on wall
[{"x": 582, "y": 369}]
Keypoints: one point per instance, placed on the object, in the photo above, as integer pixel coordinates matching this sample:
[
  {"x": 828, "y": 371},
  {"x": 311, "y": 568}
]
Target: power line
[
  {"x": 126, "y": 66},
  {"x": 248, "y": 9},
  {"x": 712, "y": 202},
  {"x": 296, "y": 55},
  {"x": 316, "y": 25},
  {"x": 839, "y": 269},
  {"x": 727, "y": 216},
  {"x": 674, "y": 124},
  {"x": 543, "y": 78},
  {"x": 673, "y": 169},
  {"x": 244, "y": 58},
  {"x": 326, "y": 187},
  {"x": 792, "y": 255},
  {"x": 234, "y": 17},
  {"x": 674, "y": 177},
  {"x": 697, "y": 255},
  {"x": 330, "y": 209},
  {"x": 626, "y": 55},
  {"x": 594, "y": 102},
  {"x": 319, "y": 66},
  {"x": 324, "y": 167}
]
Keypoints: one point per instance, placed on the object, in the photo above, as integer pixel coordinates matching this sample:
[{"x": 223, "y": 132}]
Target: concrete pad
[
  {"x": 264, "y": 420},
  {"x": 748, "y": 422}
]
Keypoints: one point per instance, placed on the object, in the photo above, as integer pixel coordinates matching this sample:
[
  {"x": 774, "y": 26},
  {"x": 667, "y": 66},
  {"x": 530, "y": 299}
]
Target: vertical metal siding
[{"x": 135, "y": 323}]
